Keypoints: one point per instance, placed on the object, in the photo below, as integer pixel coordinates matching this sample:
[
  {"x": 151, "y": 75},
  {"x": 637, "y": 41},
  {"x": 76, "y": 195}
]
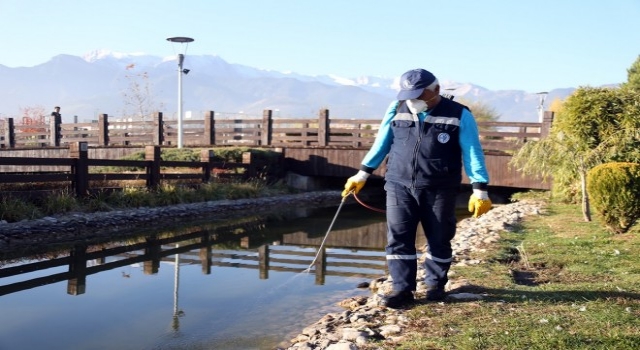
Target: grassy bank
[
  {"x": 555, "y": 282},
  {"x": 34, "y": 200},
  {"x": 14, "y": 208}
]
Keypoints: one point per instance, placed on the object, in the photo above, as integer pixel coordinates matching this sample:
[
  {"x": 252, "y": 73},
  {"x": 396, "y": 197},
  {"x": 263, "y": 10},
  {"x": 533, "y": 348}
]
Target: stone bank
[
  {"x": 87, "y": 227},
  {"x": 364, "y": 321}
]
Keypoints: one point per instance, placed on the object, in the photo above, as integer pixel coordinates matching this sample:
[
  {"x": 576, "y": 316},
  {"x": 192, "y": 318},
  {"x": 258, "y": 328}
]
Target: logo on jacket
[{"x": 443, "y": 137}]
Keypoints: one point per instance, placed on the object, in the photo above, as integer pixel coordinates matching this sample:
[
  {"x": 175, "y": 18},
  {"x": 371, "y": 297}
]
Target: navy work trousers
[{"x": 434, "y": 208}]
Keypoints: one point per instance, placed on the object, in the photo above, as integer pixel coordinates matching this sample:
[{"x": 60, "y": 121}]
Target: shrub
[
  {"x": 14, "y": 209},
  {"x": 614, "y": 190},
  {"x": 58, "y": 202},
  {"x": 230, "y": 154}
]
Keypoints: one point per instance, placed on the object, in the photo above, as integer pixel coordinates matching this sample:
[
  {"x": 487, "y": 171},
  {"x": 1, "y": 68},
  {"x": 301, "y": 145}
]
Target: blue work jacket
[{"x": 429, "y": 149}]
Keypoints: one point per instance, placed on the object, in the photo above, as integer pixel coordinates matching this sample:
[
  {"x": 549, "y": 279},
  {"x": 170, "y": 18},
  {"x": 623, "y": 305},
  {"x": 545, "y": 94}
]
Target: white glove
[
  {"x": 479, "y": 203},
  {"x": 481, "y": 194},
  {"x": 355, "y": 183}
]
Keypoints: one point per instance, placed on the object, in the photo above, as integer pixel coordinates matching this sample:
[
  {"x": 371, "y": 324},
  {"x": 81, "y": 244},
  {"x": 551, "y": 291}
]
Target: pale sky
[{"x": 498, "y": 44}]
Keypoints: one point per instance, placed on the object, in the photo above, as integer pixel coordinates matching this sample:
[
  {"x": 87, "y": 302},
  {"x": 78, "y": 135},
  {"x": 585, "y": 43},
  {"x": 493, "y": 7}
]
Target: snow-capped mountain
[{"x": 96, "y": 83}]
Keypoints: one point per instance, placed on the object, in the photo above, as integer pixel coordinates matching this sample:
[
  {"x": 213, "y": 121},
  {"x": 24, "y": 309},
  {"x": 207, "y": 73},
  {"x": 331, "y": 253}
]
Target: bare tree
[{"x": 138, "y": 99}]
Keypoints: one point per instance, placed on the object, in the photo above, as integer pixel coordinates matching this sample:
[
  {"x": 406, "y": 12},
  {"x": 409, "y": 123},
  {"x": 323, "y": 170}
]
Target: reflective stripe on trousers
[{"x": 435, "y": 210}]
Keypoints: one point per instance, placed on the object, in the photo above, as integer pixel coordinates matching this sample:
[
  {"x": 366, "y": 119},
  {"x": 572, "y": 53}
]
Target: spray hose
[{"x": 367, "y": 206}]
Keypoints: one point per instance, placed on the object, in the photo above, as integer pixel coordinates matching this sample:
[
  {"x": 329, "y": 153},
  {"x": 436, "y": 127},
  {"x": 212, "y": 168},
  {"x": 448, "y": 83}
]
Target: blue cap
[{"x": 413, "y": 83}]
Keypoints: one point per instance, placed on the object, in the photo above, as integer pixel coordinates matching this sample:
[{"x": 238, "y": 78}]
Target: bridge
[
  {"x": 499, "y": 141},
  {"x": 312, "y": 147}
]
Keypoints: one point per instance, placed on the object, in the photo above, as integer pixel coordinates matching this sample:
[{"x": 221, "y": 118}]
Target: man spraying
[{"x": 428, "y": 139}]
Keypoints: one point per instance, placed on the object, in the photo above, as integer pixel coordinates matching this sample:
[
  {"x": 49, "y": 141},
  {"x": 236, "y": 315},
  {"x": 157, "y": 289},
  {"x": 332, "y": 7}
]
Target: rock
[
  {"x": 363, "y": 285},
  {"x": 342, "y": 346},
  {"x": 353, "y": 303},
  {"x": 351, "y": 334},
  {"x": 389, "y": 330},
  {"x": 465, "y": 296}
]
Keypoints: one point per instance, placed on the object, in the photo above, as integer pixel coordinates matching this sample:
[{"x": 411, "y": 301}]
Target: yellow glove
[
  {"x": 355, "y": 183},
  {"x": 479, "y": 203}
]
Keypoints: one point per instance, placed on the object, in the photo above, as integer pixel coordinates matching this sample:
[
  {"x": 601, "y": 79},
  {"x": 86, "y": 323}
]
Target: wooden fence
[
  {"x": 79, "y": 175},
  {"x": 246, "y": 131}
]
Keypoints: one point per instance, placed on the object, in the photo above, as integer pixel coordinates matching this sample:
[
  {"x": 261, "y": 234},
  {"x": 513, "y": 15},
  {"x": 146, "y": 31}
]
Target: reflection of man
[{"x": 56, "y": 112}]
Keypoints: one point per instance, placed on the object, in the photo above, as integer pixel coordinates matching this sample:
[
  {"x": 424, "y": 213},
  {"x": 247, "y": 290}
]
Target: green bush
[
  {"x": 229, "y": 154},
  {"x": 180, "y": 154},
  {"x": 614, "y": 191},
  {"x": 15, "y": 209}
]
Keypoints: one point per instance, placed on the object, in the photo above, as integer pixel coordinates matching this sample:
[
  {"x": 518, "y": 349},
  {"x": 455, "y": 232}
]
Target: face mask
[{"x": 417, "y": 106}]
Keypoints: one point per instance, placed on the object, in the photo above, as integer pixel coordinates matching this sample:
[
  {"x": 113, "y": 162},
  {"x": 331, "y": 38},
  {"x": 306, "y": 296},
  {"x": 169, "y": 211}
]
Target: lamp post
[
  {"x": 181, "y": 40},
  {"x": 542, "y": 96},
  {"x": 449, "y": 93}
]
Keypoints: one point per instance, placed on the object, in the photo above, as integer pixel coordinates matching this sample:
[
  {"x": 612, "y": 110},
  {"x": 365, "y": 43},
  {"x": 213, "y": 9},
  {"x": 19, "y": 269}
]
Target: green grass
[
  {"x": 557, "y": 282},
  {"x": 56, "y": 198},
  {"x": 16, "y": 209}
]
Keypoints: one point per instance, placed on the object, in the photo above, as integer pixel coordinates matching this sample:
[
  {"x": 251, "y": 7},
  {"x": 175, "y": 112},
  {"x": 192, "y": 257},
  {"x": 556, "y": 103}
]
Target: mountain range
[{"x": 98, "y": 82}]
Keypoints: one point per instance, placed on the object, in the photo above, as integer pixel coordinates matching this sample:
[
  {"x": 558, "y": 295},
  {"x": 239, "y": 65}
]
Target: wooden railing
[
  {"x": 79, "y": 177},
  {"x": 246, "y": 131}
]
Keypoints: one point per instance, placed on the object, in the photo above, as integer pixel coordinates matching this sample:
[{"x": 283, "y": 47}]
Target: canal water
[{"x": 237, "y": 284}]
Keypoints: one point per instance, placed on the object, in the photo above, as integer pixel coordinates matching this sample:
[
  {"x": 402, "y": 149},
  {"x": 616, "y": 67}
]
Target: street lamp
[
  {"x": 449, "y": 93},
  {"x": 181, "y": 40},
  {"x": 543, "y": 96}
]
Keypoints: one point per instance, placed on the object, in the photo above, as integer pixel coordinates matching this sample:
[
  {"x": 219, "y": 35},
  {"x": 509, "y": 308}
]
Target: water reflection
[
  {"x": 177, "y": 313},
  {"x": 236, "y": 284},
  {"x": 240, "y": 314}
]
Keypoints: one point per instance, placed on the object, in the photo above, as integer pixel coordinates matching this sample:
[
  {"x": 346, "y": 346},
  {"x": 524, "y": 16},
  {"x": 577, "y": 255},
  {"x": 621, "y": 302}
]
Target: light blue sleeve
[
  {"x": 382, "y": 143},
  {"x": 472, "y": 155}
]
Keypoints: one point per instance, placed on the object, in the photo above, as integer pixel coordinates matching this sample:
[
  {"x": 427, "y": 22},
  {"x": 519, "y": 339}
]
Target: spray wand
[{"x": 327, "y": 234}]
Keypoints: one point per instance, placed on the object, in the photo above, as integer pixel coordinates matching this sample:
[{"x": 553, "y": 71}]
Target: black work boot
[
  {"x": 436, "y": 294},
  {"x": 397, "y": 299}
]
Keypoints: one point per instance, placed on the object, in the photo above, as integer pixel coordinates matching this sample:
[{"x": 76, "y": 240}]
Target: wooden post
[
  {"x": 205, "y": 254},
  {"x": 75, "y": 128},
  {"x": 80, "y": 170},
  {"x": 103, "y": 128},
  {"x": 209, "y": 128},
  {"x": 323, "y": 127},
  {"x": 151, "y": 265},
  {"x": 304, "y": 134},
  {"x": 54, "y": 130},
  {"x": 321, "y": 266},
  {"x": 10, "y": 134},
  {"x": 206, "y": 157},
  {"x": 250, "y": 171},
  {"x": 523, "y": 130},
  {"x": 152, "y": 156},
  {"x": 357, "y": 136},
  {"x": 158, "y": 129},
  {"x": 267, "y": 128},
  {"x": 245, "y": 242},
  {"x": 547, "y": 120},
  {"x": 263, "y": 261},
  {"x": 77, "y": 284}
]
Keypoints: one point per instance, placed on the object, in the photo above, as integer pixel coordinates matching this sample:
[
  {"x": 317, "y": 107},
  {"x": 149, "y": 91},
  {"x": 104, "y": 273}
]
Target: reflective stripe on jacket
[
  {"x": 426, "y": 154},
  {"x": 472, "y": 155}
]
